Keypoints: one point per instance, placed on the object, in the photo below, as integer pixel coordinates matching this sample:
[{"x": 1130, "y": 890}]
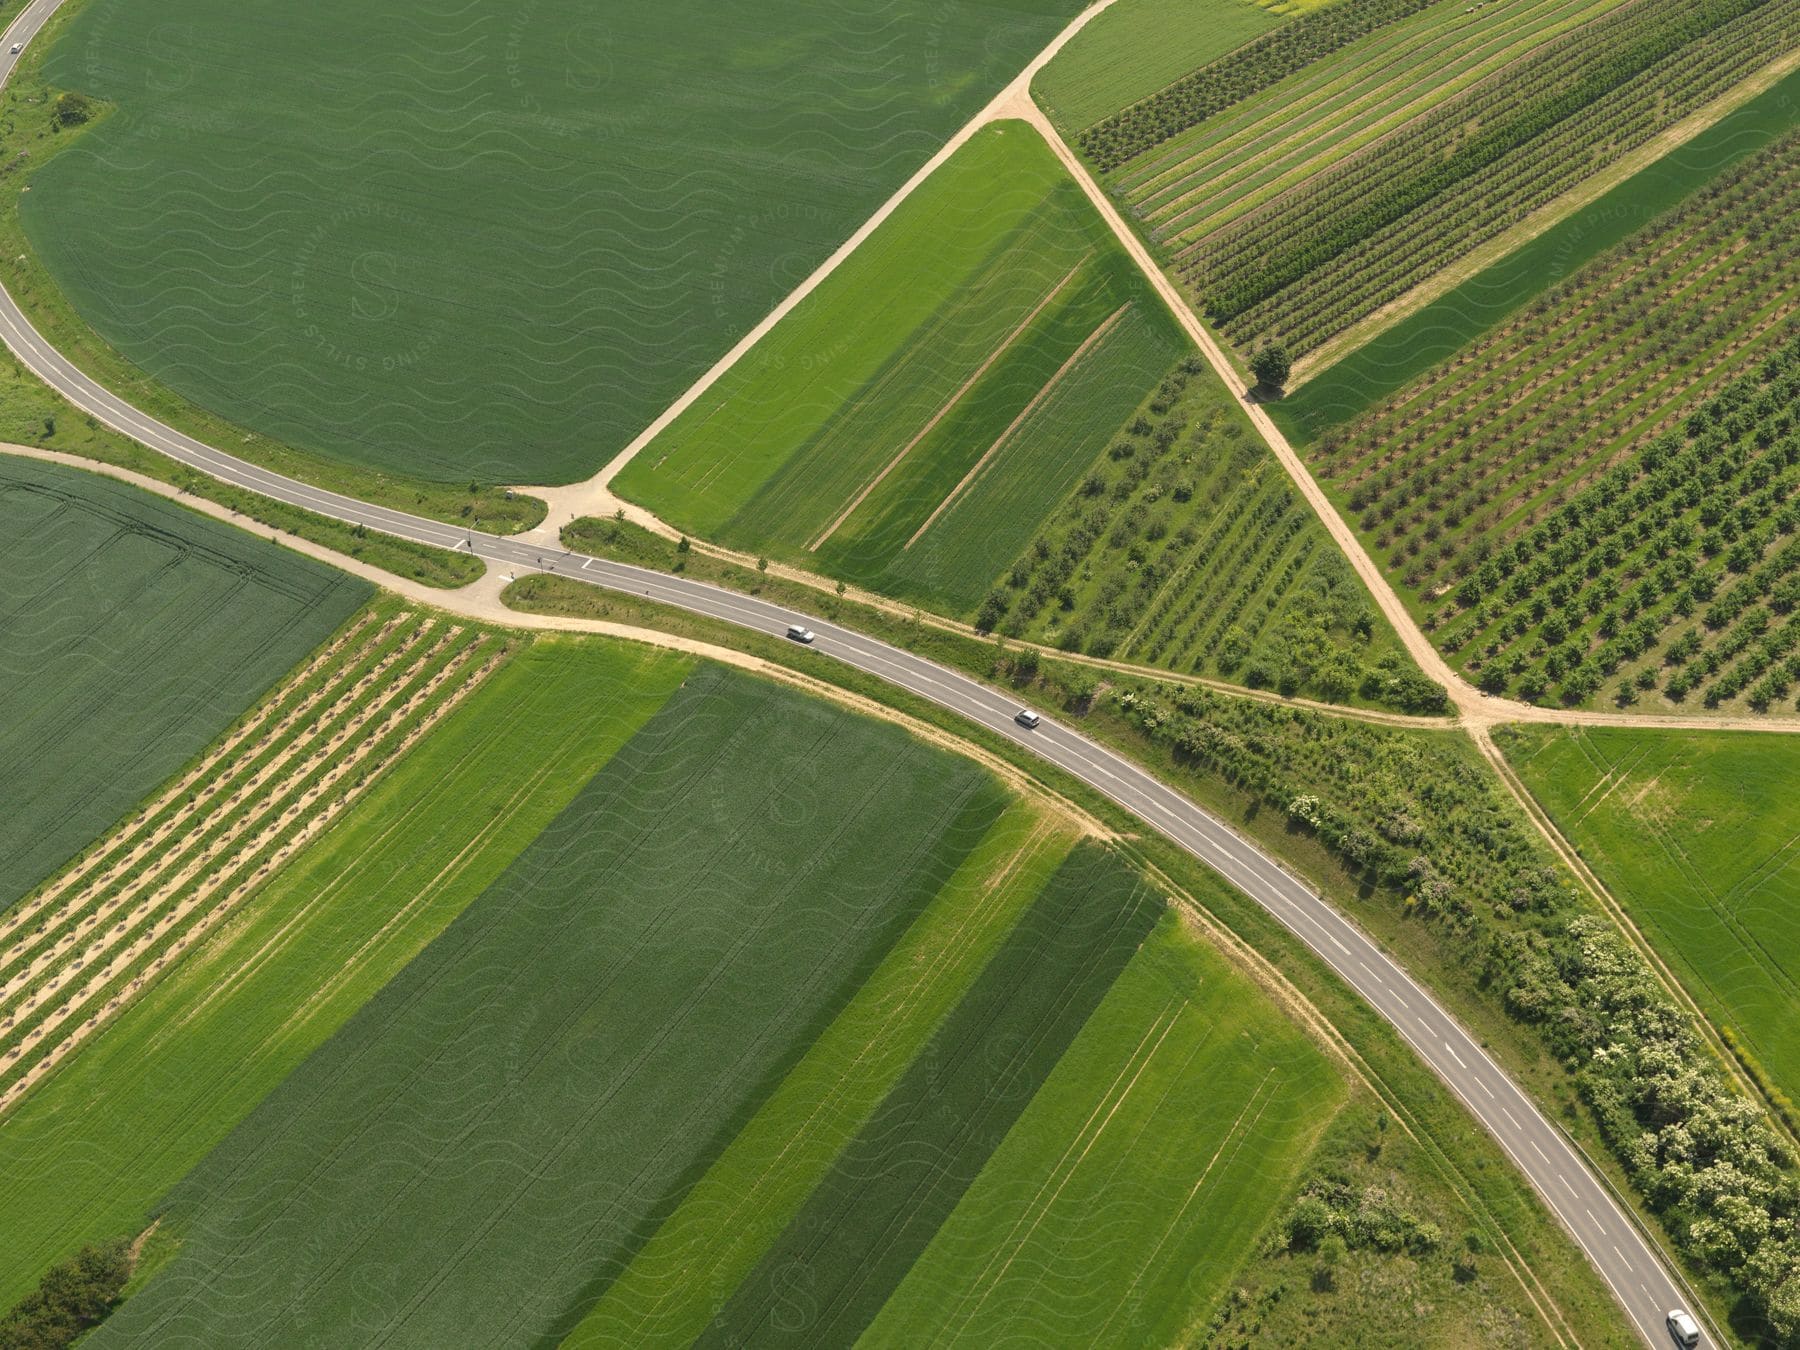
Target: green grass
[
  {"x": 487, "y": 242},
  {"x": 1138, "y": 46},
  {"x": 1432, "y": 334},
  {"x": 614, "y": 1007},
  {"x": 1132, "y": 1187},
  {"x": 827, "y": 1275},
  {"x": 841, "y": 442},
  {"x": 1694, "y": 835},
  {"x": 684, "y": 1275},
  {"x": 132, "y": 632},
  {"x": 92, "y": 1149}
]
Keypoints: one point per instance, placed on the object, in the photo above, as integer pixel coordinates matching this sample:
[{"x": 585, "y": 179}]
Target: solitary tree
[{"x": 1271, "y": 365}]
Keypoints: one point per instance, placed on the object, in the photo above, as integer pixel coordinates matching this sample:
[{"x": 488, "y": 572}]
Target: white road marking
[{"x": 1453, "y": 1055}]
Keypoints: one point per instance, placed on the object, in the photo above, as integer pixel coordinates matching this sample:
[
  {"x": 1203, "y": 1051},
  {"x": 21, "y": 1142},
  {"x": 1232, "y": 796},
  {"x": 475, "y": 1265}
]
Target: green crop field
[
  {"x": 1297, "y": 208},
  {"x": 1125, "y": 1199},
  {"x": 684, "y": 1275},
  {"x": 1694, "y": 834},
  {"x": 1595, "y": 498},
  {"x": 1189, "y": 549},
  {"x": 87, "y": 1154},
  {"x": 1139, "y": 46},
  {"x": 916, "y": 453},
  {"x": 830, "y": 1270},
  {"x": 132, "y": 632},
  {"x": 484, "y": 241},
  {"x": 613, "y": 1007}
]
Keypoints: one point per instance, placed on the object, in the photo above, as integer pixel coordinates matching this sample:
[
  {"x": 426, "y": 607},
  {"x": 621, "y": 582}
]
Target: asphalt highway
[{"x": 1624, "y": 1256}]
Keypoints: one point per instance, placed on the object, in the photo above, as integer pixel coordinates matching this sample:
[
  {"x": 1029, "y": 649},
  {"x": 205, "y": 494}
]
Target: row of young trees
[
  {"x": 1384, "y": 266},
  {"x": 1236, "y": 76},
  {"x": 1475, "y": 481},
  {"x": 1425, "y": 824},
  {"x": 1454, "y": 143}
]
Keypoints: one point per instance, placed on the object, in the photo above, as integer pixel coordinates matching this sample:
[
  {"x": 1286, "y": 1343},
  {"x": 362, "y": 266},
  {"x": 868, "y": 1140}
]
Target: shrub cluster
[{"x": 71, "y": 1298}]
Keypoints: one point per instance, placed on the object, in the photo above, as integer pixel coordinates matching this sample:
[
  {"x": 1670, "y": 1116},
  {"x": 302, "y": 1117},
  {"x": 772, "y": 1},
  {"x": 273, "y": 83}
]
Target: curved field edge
[
  {"x": 1465, "y": 1165},
  {"x": 89, "y": 1152},
  {"x": 1394, "y": 358},
  {"x": 132, "y": 633},
  {"x": 30, "y": 137},
  {"x": 448, "y": 330}
]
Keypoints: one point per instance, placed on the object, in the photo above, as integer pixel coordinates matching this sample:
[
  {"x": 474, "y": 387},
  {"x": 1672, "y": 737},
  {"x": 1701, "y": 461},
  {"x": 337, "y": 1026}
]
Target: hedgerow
[{"x": 1426, "y": 824}]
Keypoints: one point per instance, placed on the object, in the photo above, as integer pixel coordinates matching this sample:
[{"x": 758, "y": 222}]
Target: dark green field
[
  {"x": 511, "y": 1117},
  {"x": 486, "y": 240},
  {"x": 132, "y": 632}
]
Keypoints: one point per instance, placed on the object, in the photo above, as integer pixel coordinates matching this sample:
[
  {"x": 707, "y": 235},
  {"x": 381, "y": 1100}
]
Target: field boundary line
[
  {"x": 1092, "y": 340},
  {"x": 941, "y": 413}
]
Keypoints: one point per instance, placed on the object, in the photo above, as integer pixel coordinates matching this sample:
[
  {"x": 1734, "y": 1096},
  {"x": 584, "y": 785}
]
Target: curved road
[{"x": 1628, "y": 1261}]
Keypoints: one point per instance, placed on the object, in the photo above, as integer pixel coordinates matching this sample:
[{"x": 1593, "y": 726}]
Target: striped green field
[
  {"x": 132, "y": 632},
  {"x": 485, "y": 240},
  {"x": 1119, "y": 1208},
  {"x": 87, "y": 1154},
  {"x": 908, "y": 425},
  {"x": 1695, "y": 833},
  {"x": 614, "y": 1007}
]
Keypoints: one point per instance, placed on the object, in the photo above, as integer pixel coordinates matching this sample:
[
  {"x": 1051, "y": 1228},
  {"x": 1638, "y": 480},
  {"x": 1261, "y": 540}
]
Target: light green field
[
  {"x": 1131, "y": 1189},
  {"x": 1138, "y": 46},
  {"x": 910, "y": 423},
  {"x": 132, "y": 632},
  {"x": 495, "y": 1134},
  {"x": 488, "y": 240},
  {"x": 686, "y": 1272},
  {"x": 87, "y": 1154},
  {"x": 1695, "y": 834}
]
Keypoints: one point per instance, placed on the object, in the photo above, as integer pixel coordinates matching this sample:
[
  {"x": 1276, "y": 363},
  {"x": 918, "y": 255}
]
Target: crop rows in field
[
  {"x": 1336, "y": 247},
  {"x": 1110, "y": 1213},
  {"x": 1694, "y": 834},
  {"x": 1564, "y": 520},
  {"x": 1188, "y": 549},
  {"x": 613, "y": 1007},
  {"x": 132, "y": 632},
  {"x": 93, "y": 1148},
  {"x": 1257, "y": 65},
  {"x": 1209, "y": 176},
  {"x": 686, "y": 1273},
  {"x": 894, "y": 1184},
  {"x": 909, "y": 424},
  {"x": 90, "y": 941},
  {"x": 1136, "y": 47}
]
